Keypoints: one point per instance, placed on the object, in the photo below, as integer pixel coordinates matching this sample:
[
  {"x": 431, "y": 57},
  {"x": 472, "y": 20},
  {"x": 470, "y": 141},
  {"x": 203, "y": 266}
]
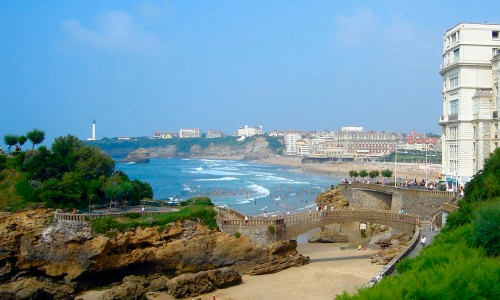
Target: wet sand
[{"x": 330, "y": 272}]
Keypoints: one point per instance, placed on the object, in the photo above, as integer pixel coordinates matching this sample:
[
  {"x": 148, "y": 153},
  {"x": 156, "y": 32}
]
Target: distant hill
[{"x": 226, "y": 147}]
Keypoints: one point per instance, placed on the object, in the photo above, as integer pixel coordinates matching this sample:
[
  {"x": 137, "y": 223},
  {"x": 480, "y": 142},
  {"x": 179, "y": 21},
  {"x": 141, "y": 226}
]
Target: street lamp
[
  {"x": 425, "y": 164},
  {"x": 395, "y": 158}
]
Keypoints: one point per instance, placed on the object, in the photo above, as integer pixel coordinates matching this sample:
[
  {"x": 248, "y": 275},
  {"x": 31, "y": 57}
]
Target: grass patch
[{"x": 195, "y": 210}]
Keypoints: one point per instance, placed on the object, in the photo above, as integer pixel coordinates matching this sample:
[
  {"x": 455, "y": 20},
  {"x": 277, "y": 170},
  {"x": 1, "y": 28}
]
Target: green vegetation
[
  {"x": 463, "y": 260},
  {"x": 237, "y": 235},
  {"x": 271, "y": 229},
  {"x": 363, "y": 174},
  {"x": 69, "y": 175},
  {"x": 194, "y": 210},
  {"x": 413, "y": 156},
  {"x": 386, "y": 173},
  {"x": 118, "y": 148}
]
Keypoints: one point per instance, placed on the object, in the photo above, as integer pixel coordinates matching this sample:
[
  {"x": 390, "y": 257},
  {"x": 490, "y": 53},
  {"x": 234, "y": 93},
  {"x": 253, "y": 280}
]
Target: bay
[{"x": 250, "y": 188}]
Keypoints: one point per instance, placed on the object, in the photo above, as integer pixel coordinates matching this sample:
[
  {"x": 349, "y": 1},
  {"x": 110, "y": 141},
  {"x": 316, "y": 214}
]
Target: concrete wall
[
  {"x": 419, "y": 202},
  {"x": 258, "y": 234}
]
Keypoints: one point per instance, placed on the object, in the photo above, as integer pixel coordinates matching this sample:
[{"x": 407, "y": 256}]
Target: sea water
[{"x": 248, "y": 187}]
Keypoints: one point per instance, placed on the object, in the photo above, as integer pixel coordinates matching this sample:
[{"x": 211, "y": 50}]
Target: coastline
[{"x": 403, "y": 170}]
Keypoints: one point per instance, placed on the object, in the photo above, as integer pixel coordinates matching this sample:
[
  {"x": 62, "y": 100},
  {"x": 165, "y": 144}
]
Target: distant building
[
  {"x": 124, "y": 138},
  {"x": 247, "y": 131},
  {"x": 190, "y": 133},
  {"x": 276, "y": 133},
  {"x": 354, "y": 142},
  {"x": 418, "y": 141},
  {"x": 291, "y": 138},
  {"x": 214, "y": 134},
  {"x": 164, "y": 135},
  {"x": 469, "y": 122}
]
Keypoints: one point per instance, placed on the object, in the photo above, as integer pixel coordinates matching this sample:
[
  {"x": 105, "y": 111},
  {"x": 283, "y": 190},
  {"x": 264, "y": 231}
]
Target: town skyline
[{"x": 140, "y": 67}]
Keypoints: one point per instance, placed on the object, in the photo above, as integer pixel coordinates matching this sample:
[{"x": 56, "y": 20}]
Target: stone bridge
[
  {"x": 262, "y": 230},
  {"x": 414, "y": 201}
]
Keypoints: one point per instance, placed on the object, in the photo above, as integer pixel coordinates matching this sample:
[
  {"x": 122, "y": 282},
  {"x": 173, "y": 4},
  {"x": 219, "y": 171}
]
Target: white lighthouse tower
[{"x": 93, "y": 132}]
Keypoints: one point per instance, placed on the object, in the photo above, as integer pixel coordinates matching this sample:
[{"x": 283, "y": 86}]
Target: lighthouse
[{"x": 93, "y": 132}]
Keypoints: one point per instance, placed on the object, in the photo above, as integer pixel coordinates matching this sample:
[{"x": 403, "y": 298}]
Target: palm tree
[{"x": 36, "y": 137}]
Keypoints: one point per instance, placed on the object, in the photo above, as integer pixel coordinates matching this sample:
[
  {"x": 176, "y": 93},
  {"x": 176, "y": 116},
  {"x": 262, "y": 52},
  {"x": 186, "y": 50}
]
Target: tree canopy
[{"x": 71, "y": 175}]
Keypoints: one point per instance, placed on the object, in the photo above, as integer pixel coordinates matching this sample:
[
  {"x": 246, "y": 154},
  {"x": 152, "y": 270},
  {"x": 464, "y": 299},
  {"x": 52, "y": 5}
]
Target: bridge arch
[{"x": 301, "y": 223}]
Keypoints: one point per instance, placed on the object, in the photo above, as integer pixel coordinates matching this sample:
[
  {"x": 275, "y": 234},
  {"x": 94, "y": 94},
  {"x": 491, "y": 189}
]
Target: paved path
[{"x": 430, "y": 237}]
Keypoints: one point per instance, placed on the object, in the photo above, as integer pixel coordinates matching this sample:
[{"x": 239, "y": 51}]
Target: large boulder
[
  {"x": 188, "y": 285},
  {"x": 34, "y": 289},
  {"x": 328, "y": 236},
  {"x": 132, "y": 288},
  {"x": 224, "y": 277}
]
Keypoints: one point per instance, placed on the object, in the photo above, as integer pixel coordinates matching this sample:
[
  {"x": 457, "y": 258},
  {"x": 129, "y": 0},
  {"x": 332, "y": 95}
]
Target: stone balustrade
[{"x": 58, "y": 216}]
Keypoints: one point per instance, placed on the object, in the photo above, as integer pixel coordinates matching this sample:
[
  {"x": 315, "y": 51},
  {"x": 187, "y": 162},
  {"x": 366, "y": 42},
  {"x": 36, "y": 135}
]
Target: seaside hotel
[{"x": 469, "y": 122}]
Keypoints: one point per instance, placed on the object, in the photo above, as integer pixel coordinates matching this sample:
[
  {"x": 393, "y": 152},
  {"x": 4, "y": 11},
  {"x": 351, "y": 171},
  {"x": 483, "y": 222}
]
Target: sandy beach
[
  {"x": 403, "y": 170},
  {"x": 330, "y": 272}
]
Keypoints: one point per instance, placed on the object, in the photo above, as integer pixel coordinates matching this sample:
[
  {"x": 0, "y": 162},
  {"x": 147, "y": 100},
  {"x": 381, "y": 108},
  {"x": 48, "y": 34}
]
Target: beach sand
[
  {"x": 403, "y": 170},
  {"x": 330, "y": 272}
]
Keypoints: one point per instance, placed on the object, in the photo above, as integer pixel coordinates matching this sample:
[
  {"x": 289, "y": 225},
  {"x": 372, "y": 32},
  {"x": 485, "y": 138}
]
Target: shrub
[
  {"x": 271, "y": 229},
  {"x": 486, "y": 224},
  {"x": 237, "y": 235},
  {"x": 132, "y": 215}
]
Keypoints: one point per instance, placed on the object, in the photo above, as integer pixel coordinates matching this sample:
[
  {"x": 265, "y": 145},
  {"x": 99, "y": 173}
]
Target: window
[
  {"x": 453, "y": 82},
  {"x": 453, "y": 109},
  {"x": 495, "y": 35},
  {"x": 495, "y": 51},
  {"x": 456, "y": 54}
]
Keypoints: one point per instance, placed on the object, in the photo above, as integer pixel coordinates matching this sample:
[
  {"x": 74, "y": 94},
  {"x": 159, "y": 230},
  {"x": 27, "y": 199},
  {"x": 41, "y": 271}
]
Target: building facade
[
  {"x": 468, "y": 119},
  {"x": 164, "y": 135},
  {"x": 190, "y": 133},
  {"x": 247, "y": 131}
]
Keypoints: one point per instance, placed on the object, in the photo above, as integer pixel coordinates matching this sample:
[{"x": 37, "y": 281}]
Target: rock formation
[
  {"x": 68, "y": 253},
  {"x": 328, "y": 236},
  {"x": 332, "y": 197},
  {"x": 138, "y": 156}
]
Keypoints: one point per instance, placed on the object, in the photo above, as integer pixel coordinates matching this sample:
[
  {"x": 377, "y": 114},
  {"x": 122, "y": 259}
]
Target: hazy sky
[{"x": 137, "y": 67}]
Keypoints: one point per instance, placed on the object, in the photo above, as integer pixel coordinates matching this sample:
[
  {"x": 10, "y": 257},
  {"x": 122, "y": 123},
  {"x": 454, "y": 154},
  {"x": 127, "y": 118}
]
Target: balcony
[
  {"x": 442, "y": 120},
  {"x": 453, "y": 117}
]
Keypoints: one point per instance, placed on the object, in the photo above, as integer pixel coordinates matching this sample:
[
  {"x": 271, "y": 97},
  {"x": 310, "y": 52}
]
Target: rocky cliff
[
  {"x": 332, "y": 197},
  {"x": 67, "y": 256}
]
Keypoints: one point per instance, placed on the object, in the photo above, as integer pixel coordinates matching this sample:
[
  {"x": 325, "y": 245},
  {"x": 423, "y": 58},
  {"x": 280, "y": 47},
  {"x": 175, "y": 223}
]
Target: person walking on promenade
[
  {"x": 423, "y": 241},
  {"x": 246, "y": 219}
]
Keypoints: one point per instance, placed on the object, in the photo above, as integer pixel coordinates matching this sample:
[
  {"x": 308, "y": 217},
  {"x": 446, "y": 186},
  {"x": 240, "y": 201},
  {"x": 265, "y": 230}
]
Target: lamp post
[
  {"x": 425, "y": 164},
  {"x": 395, "y": 158}
]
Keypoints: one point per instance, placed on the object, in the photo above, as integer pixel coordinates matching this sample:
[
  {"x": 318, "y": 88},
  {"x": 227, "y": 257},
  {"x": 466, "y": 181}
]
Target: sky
[{"x": 138, "y": 67}]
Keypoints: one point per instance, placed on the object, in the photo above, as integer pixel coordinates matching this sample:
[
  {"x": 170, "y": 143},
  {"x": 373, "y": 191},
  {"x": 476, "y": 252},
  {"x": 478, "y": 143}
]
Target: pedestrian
[
  {"x": 423, "y": 241},
  {"x": 246, "y": 219}
]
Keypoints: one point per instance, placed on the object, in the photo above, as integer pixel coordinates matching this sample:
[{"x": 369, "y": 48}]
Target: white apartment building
[
  {"x": 164, "y": 135},
  {"x": 291, "y": 139},
  {"x": 190, "y": 133},
  {"x": 470, "y": 102},
  {"x": 247, "y": 131}
]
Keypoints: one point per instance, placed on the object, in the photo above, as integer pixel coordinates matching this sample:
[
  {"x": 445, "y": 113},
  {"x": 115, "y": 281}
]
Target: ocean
[{"x": 248, "y": 187}]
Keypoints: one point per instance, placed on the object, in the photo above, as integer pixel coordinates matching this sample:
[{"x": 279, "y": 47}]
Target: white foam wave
[
  {"x": 215, "y": 172},
  {"x": 259, "y": 191},
  {"x": 277, "y": 199},
  {"x": 218, "y": 179}
]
